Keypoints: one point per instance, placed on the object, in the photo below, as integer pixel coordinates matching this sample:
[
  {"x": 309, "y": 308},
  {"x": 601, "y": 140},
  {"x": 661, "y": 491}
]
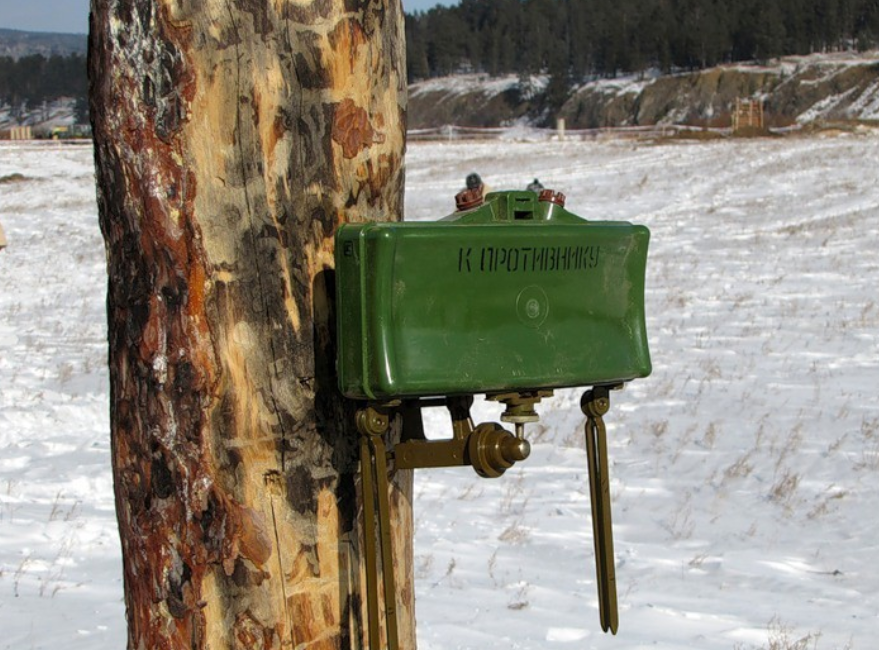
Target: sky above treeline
[{"x": 71, "y": 16}]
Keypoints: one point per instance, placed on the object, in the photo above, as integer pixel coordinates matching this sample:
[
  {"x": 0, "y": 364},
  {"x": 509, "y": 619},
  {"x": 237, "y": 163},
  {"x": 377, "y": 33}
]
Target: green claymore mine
[{"x": 512, "y": 296}]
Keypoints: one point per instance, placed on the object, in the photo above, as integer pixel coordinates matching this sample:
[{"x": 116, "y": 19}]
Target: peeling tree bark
[{"x": 231, "y": 138}]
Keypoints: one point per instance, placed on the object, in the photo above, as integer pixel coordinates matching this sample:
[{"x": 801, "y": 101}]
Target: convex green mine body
[{"x": 516, "y": 294}]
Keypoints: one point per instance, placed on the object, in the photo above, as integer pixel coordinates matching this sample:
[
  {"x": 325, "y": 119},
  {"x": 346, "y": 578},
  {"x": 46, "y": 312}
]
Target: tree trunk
[{"x": 231, "y": 138}]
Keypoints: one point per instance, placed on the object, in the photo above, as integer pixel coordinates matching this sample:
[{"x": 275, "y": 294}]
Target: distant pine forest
[
  {"x": 27, "y": 82},
  {"x": 576, "y": 39},
  {"x": 570, "y": 40}
]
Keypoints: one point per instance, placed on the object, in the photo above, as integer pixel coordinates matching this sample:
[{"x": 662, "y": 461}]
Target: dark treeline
[
  {"x": 577, "y": 39},
  {"x": 571, "y": 40},
  {"x": 31, "y": 80}
]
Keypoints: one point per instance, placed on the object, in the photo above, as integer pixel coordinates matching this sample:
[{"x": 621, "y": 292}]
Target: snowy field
[{"x": 744, "y": 471}]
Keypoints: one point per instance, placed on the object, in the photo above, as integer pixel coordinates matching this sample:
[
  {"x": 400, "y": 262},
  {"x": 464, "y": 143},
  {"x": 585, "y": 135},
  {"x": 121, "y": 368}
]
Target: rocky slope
[{"x": 794, "y": 90}]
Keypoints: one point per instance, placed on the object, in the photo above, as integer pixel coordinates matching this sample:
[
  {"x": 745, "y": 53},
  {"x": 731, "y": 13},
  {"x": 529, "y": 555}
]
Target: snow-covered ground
[
  {"x": 60, "y": 562},
  {"x": 744, "y": 471}
]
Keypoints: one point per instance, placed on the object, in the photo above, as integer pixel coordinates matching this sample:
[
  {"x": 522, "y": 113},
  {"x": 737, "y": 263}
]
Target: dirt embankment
[
  {"x": 803, "y": 89},
  {"x": 471, "y": 100}
]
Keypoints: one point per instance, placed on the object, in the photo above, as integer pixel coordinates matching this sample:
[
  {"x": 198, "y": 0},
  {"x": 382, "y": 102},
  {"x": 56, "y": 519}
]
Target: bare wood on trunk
[{"x": 231, "y": 138}]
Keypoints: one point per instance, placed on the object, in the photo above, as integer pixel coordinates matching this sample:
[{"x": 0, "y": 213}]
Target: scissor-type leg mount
[{"x": 490, "y": 450}]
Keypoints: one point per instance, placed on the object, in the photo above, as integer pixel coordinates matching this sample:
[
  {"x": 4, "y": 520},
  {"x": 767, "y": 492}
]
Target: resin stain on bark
[{"x": 352, "y": 130}]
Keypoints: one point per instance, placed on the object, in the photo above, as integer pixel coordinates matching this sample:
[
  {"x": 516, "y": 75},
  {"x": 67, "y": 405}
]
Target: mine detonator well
[{"x": 512, "y": 296}]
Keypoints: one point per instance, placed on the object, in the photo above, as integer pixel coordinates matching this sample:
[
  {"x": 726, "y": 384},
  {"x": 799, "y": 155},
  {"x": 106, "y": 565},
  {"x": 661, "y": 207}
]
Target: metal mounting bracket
[{"x": 490, "y": 450}]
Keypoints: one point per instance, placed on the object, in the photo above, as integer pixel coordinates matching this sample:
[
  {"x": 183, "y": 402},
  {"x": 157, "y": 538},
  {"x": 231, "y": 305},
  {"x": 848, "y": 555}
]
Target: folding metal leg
[
  {"x": 595, "y": 404},
  {"x": 377, "y": 528}
]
